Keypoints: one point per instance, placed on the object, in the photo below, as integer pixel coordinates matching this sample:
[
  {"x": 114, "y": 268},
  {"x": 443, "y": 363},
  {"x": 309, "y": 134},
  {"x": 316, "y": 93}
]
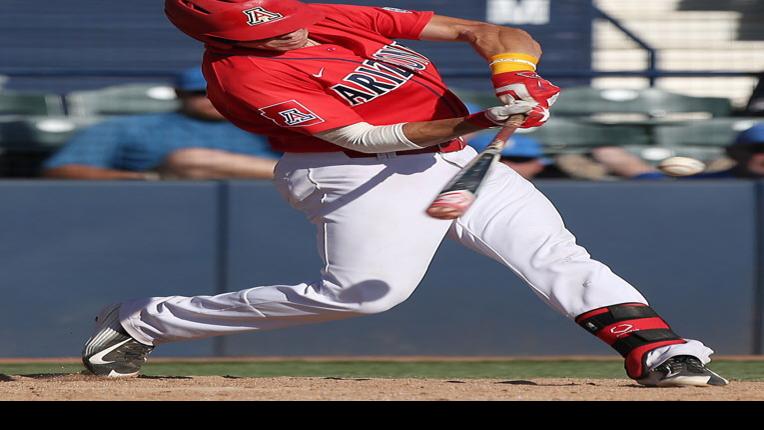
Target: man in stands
[{"x": 196, "y": 142}]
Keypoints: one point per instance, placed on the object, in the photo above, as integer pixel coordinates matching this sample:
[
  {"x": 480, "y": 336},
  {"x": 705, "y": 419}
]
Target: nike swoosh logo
[
  {"x": 98, "y": 358},
  {"x": 319, "y": 74}
]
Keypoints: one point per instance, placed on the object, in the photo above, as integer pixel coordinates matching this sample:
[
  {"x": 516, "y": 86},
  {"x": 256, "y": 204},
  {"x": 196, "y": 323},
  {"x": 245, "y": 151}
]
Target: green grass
[{"x": 516, "y": 369}]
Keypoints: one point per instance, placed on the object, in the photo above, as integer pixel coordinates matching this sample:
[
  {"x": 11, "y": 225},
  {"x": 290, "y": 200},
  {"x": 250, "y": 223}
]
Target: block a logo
[
  {"x": 258, "y": 15},
  {"x": 295, "y": 117},
  {"x": 291, "y": 114}
]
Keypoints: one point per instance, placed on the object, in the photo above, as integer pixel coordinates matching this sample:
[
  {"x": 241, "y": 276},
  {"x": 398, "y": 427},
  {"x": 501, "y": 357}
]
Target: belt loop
[{"x": 386, "y": 155}]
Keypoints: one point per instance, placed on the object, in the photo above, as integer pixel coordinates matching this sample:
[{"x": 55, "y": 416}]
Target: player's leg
[
  {"x": 515, "y": 224},
  {"x": 373, "y": 236}
]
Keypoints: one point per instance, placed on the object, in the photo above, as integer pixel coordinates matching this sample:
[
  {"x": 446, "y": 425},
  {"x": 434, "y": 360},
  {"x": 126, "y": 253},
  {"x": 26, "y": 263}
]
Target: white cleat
[
  {"x": 112, "y": 352},
  {"x": 682, "y": 371}
]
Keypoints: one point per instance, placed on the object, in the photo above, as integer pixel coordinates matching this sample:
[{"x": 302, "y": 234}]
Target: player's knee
[
  {"x": 375, "y": 307},
  {"x": 376, "y": 303},
  {"x": 374, "y": 296}
]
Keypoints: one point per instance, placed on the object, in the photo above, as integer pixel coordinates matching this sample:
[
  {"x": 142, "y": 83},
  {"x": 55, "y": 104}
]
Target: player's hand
[
  {"x": 500, "y": 114},
  {"x": 527, "y": 86}
]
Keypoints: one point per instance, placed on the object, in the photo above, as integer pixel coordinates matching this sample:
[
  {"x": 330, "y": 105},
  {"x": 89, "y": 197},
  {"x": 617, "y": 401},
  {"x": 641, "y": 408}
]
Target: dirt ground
[{"x": 86, "y": 387}]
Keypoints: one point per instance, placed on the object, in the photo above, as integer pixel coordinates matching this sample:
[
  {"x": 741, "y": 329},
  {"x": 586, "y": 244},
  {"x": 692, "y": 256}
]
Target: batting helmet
[{"x": 220, "y": 22}]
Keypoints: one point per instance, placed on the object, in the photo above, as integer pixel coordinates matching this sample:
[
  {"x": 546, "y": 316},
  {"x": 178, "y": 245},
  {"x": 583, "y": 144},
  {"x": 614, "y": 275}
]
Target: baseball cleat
[
  {"x": 112, "y": 352},
  {"x": 682, "y": 371}
]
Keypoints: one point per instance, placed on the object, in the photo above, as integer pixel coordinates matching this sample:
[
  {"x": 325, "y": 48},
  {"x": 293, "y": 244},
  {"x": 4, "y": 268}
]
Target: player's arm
[
  {"x": 365, "y": 137},
  {"x": 487, "y": 39},
  {"x": 512, "y": 55},
  {"x": 281, "y": 96}
]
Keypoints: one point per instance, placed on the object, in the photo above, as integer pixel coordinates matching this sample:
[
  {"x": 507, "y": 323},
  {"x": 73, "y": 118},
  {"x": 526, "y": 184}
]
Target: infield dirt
[{"x": 86, "y": 387}]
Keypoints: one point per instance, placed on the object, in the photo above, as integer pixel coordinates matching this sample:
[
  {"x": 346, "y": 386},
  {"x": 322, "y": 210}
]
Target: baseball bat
[{"x": 461, "y": 191}]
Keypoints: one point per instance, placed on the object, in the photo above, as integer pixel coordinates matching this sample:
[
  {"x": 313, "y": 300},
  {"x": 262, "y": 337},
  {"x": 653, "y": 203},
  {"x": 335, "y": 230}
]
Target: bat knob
[{"x": 451, "y": 205}]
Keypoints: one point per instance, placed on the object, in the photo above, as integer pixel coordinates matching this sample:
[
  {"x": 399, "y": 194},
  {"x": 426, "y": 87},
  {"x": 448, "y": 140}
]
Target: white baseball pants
[{"x": 376, "y": 243}]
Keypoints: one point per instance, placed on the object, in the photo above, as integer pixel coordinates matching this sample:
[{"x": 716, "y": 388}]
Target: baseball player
[{"x": 371, "y": 134}]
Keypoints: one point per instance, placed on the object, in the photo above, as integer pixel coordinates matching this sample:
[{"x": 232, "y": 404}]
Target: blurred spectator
[
  {"x": 582, "y": 166},
  {"x": 747, "y": 151},
  {"x": 194, "y": 143},
  {"x": 755, "y": 105},
  {"x": 620, "y": 163},
  {"x": 523, "y": 154}
]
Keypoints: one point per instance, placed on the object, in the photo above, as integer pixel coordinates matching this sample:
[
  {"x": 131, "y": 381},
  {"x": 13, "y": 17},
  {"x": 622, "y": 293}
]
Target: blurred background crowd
[{"x": 111, "y": 91}]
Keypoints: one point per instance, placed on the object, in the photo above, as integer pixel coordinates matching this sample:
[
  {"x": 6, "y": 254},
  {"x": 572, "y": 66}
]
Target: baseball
[{"x": 681, "y": 166}]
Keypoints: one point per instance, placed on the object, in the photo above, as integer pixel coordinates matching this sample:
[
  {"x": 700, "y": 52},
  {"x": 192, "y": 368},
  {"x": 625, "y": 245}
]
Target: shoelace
[
  {"x": 137, "y": 351},
  {"x": 694, "y": 365},
  {"x": 677, "y": 363}
]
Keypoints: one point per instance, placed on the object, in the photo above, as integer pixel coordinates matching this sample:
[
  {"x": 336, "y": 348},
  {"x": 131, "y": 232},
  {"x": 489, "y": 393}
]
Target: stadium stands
[
  {"x": 565, "y": 135},
  {"x": 689, "y": 35},
  {"x": 122, "y": 100},
  {"x": 715, "y": 132},
  {"x": 34, "y": 125},
  {"x": 24, "y": 103},
  {"x": 25, "y": 142},
  {"x": 582, "y": 120},
  {"x": 650, "y": 122},
  {"x": 40, "y": 132},
  {"x": 650, "y": 102},
  {"x": 688, "y": 116}
]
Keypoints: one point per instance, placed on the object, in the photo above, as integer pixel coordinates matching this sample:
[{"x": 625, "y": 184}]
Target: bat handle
[{"x": 510, "y": 126}]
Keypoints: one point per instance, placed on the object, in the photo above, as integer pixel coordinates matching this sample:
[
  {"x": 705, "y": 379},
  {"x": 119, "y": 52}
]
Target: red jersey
[{"x": 356, "y": 74}]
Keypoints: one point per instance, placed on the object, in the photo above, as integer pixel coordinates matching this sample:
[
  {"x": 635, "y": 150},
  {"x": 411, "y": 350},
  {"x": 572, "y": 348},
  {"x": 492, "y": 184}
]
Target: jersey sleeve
[
  {"x": 390, "y": 22},
  {"x": 299, "y": 105}
]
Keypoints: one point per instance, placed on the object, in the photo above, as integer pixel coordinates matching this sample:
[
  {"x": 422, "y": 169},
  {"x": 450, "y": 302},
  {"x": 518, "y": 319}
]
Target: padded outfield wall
[{"x": 66, "y": 248}]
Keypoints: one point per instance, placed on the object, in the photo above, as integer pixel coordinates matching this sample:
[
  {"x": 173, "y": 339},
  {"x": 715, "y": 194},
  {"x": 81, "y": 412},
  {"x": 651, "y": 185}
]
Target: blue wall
[
  {"x": 66, "y": 248},
  {"x": 46, "y": 48}
]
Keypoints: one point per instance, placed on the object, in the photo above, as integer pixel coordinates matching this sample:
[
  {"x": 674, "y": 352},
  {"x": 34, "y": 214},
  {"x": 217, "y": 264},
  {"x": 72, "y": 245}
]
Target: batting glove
[
  {"x": 527, "y": 86},
  {"x": 500, "y": 114},
  {"x": 514, "y": 78}
]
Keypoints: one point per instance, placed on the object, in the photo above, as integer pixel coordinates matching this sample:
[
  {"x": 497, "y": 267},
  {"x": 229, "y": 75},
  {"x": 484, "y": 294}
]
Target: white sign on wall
[{"x": 518, "y": 11}]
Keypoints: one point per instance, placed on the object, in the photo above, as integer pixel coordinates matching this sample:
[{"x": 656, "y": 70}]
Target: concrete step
[
  {"x": 636, "y": 7},
  {"x": 638, "y": 14},
  {"x": 667, "y": 33},
  {"x": 685, "y": 39},
  {"x": 749, "y": 59},
  {"x": 606, "y": 36}
]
